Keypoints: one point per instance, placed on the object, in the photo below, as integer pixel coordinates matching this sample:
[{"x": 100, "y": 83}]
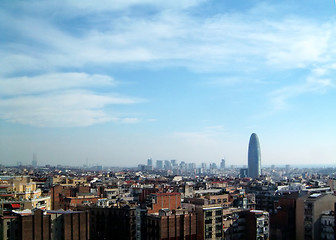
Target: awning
[{"x": 15, "y": 205}]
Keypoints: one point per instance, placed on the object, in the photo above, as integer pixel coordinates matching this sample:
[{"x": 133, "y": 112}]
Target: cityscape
[
  {"x": 168, "y": 200},
  {"x": 167, "y": 120}
]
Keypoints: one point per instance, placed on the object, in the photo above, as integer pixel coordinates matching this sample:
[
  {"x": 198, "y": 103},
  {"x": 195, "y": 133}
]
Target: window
[
  {"x": 208, "y": 221},
  {"x": 208, "y": 235},
  {"x": 208, "y": 229},
  {"x": 208, "y": 214}
]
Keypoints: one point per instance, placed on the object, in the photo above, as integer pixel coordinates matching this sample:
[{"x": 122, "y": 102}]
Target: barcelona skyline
[{"x": 117, "y": 82}]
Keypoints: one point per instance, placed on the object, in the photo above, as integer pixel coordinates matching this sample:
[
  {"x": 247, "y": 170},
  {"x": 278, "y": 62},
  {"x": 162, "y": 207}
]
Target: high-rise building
[
  {"x": 34, "y": 162},
  {"x": 167, "y": 165},
  {"x": 149, "y": 164},
  {"x": 222, "y": 164},
  {"x": 213, "y": 166},
  {"x": 191, "y": 166},
  {"x": 183, "y": 166},
  {"x": 173, "y": 163},
  {"x": 159, "y": 164},
  {"x": 254, "y": 159}
]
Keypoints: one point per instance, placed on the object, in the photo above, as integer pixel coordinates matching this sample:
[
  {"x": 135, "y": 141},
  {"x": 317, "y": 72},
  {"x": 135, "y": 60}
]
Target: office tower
[
  {"x": 149, "y": 164},
  {"x": 287, "y": 168},
  {"x": 142, "y": 167},
  {"x": 204, "y": 165},
  {"x": 254, "y": 162},
  {"x": 222, "y": 165},
  {"x": 167, "y": 165},
  {"x": 191, "y": 166},
  {"x": 173, "y": 163},
  {"x": 183, "y": 165},
  {"x": 34, "y": 162},
  {"x": 213, "y": 166},
  {"x": 159, "y": 164}
]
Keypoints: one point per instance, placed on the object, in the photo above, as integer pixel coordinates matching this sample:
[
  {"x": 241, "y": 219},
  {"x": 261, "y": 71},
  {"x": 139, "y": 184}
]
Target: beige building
[
  {"x": 309, "y": 209},
  {"x": 19, "y": 187},
  {"x": 19, "y": 193},
  {"x": 210, "y": 222},
  {"x": 222, "y": 199}
]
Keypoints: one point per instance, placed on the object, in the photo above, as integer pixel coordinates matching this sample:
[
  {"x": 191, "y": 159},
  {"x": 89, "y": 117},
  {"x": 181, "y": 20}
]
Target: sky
[{"x": 116, "y": 82}]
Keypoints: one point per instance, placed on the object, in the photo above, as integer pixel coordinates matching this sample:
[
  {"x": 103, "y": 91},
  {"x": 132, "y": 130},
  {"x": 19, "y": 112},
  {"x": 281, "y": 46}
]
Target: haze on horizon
[{"x": 117, "y": 82}]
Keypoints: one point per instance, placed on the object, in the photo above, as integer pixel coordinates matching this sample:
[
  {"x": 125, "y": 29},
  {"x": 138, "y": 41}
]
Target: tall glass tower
[{"x": 254, "y": 159}]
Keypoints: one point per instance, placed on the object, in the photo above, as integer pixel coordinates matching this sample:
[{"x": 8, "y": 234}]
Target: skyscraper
[
  {"x": 159, "y": 164},
  {"x": 34, "y": 162},
  {"x": 222, "y": 164},
  {"x": 167, "y": 165},
  {"x": 149, "y": 164},
  {"x": 254, "y": 159}
]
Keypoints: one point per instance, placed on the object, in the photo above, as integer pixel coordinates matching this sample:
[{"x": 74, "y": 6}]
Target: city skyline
[{"x": 117, "y": 82}]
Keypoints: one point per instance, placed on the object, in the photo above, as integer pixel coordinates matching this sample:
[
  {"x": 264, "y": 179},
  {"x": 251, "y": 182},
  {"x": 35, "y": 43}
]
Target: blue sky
[{"x": 117, "y": 82}]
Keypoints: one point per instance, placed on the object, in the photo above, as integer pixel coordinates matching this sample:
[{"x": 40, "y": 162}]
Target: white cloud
[
  {"x": 107, "y": 5},
  {"x": 60, "y": 100},
  {"x": 294, "y": 46},
  {"x": 70, "y": 109},
  {"x": 229, "y": 42},
  {"x": 53, "y": 82},
  {"x": 79, "y": 8},
  {"x": 129, "y": 120},
  {"x": 318, "y": 82},
  {"x": 225, "y": 42}
]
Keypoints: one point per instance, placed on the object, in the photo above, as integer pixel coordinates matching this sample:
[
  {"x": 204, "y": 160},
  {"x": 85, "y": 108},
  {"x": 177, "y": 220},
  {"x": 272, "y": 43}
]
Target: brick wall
[{"x": 170, "y": 201}]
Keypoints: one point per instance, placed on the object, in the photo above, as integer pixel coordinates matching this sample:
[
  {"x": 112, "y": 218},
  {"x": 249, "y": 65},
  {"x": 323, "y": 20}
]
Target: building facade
[
  {"x": 309, "y": 210},
  {"x": 45, "y": 225},
  {"x": 168, "y": 225},
  {"x": 209, "y": 222}
]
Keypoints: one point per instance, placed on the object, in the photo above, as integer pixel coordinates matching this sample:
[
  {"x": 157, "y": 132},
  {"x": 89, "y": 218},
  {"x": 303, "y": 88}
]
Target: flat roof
[{"x": 61, "y": 211}]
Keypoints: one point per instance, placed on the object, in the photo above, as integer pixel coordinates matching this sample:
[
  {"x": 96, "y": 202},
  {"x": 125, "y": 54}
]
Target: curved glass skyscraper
[{"x": 254, "y": 159}]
